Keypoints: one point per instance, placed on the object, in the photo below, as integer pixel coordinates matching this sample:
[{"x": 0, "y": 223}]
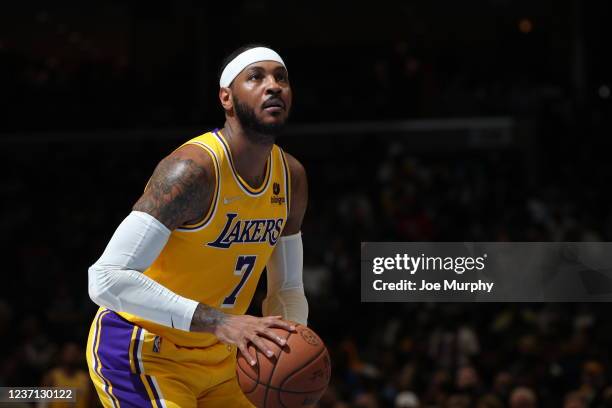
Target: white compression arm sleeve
[
  {"x": 116, "y": 280},
  {"x": 285, "y": 286}
]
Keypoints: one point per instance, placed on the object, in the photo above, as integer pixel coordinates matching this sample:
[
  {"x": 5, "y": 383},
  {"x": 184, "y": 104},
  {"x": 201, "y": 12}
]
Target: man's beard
[{"x": 255, "y": 130}]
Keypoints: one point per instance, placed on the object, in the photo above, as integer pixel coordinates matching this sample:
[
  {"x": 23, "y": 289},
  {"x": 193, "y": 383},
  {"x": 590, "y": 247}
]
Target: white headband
[{"x": 245, "y": 59}]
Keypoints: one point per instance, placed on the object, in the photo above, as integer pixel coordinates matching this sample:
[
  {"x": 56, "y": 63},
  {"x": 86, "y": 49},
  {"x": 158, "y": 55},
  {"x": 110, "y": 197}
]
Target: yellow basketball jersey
[{"x": 219, "y": 260}]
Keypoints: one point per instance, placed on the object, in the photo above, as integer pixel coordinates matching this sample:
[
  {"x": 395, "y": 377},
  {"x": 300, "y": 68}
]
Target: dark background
[{"x": 416, "y": 121}]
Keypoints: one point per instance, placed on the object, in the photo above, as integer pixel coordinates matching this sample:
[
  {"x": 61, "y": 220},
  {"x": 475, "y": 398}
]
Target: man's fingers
[
  {"x": 272, "y": 319},
  {"x": 289, "y": 326},
  {"x": 272, "y": 335},
  {"x": 245, "y": 353},
  {"x": 261, "y": 345}
]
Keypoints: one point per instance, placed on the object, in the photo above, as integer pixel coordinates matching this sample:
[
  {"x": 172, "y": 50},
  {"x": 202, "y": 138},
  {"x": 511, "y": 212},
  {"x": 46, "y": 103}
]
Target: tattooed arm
[
  {"x": 178, "y": 192},
  {"x": 180, "y": 189}
]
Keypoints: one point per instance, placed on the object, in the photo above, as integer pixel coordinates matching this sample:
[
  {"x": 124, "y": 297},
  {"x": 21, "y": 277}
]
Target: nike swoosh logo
[{"x": 228, "y": 200}]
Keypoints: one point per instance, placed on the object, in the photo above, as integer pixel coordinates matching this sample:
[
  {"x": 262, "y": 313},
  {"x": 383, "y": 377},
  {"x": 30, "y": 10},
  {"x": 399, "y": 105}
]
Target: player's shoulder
[
  {"x": 209, "y": 138},
  {"x": 202, "y": 150},
  {"x": 180, "y": 186},
  {"x": 188, "y": 165},
  {"x": 193, "y": 155}
]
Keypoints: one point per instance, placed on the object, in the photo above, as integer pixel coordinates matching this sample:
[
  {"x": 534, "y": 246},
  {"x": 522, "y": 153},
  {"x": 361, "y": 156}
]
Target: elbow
[
  {"x": 98, "y": 286},
  {"x": 93, "y": 285}
]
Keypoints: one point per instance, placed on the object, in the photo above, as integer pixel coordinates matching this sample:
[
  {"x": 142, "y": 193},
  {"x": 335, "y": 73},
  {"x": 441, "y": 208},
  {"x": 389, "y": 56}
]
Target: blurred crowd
[
  {"x": 455, "y": 355},
  {"x": 476, "y": 355},
  {"x": 85, "y": 89},
  {"x": 63, "y": 200}
]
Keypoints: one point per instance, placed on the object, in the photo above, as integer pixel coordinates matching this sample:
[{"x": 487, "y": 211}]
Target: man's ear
[{"x": 225, "y": 96}]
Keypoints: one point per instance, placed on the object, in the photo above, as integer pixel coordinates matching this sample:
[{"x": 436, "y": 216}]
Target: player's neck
[{"x": 249, "y": 157}]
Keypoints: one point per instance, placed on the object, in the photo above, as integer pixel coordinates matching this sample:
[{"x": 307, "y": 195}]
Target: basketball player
[{"x": 180, "y": 271}]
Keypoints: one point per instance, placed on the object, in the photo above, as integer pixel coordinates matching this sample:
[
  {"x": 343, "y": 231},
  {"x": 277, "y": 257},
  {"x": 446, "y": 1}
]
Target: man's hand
[{"x": 239, "y": 330}]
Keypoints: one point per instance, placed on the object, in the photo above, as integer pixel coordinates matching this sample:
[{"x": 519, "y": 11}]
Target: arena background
[{"x": 416, "y": 121}]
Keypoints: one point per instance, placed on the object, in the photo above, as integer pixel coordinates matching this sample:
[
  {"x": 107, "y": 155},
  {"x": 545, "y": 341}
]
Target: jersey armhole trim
[
  {"x": 287, "y": 180},
  {"x": 213, "y": 205}
]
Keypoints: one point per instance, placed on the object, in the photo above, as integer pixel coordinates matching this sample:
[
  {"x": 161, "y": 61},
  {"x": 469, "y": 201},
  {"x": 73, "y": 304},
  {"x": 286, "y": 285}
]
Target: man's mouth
[{"x": 273, "y": 105}]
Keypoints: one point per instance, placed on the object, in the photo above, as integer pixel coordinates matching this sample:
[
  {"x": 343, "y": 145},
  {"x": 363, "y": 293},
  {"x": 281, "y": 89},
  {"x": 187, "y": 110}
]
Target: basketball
[{"x": 296, "y": 376}]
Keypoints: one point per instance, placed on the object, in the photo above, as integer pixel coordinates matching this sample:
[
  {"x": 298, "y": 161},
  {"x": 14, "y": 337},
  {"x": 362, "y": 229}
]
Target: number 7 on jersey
[{"x": 244, "y": 267}]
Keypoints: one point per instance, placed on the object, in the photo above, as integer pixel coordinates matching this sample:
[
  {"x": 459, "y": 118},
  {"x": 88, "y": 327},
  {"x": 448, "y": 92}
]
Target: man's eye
[
  {"x": 281, "y": 78},
  {"x": 254, "y": 76}
]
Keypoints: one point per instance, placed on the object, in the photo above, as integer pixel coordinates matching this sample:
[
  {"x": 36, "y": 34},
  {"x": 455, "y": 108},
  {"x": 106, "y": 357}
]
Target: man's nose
[{"x": 272, "y": 86}]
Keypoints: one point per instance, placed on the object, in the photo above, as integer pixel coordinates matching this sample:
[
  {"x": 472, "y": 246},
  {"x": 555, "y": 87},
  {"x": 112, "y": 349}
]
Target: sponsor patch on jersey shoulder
[{"x": 276, "y": 199}]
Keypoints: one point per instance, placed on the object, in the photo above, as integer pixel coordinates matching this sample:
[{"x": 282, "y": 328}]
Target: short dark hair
[{"x": 235, "y": 53}]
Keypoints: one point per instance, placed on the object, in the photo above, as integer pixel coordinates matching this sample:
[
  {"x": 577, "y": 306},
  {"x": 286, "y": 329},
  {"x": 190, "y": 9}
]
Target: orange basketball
[{"x": 296, "y": 376}]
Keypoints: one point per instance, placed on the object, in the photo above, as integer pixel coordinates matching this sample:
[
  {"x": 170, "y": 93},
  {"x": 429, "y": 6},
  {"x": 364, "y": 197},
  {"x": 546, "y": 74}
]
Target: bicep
[
  {"x": 179, "y": 190},
  {"x": 299, "y": 196}
]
